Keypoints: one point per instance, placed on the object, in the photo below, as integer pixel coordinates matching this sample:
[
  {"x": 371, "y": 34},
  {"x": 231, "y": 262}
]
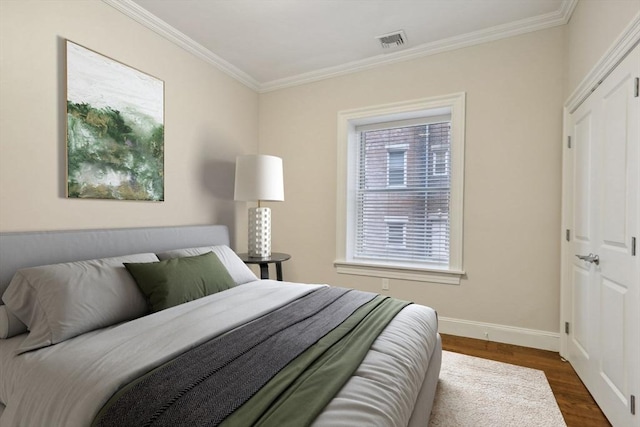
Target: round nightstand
[{"x": 276, "y": 258}]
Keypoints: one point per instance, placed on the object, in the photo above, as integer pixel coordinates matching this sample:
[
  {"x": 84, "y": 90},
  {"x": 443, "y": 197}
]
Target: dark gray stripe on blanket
[{"x": 204, "y": 385}]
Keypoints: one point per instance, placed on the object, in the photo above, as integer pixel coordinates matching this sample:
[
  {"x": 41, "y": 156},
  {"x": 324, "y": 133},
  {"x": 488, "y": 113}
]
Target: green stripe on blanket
[{"x": 300, "y": 391}]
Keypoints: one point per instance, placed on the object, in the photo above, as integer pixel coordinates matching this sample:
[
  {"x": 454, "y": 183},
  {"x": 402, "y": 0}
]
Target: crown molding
[
  {"x": 142, "y": 16},
  {"x": 523, "y": 26}
]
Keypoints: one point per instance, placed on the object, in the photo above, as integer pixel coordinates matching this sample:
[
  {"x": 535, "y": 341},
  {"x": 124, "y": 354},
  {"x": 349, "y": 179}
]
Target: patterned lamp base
[{"x": 259, "y": 232}]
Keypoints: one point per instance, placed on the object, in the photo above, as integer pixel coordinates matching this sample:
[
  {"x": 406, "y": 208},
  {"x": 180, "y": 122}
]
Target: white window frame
[{"x": 415, "y": 110}]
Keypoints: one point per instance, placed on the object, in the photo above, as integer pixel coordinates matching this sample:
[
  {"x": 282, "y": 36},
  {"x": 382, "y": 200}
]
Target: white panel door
[
  {"x": 582, "y": 345},
  {"x": 604, "y": 341}
]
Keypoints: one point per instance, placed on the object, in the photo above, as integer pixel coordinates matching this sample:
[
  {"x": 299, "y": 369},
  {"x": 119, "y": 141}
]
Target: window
[
  {"x": 396, "y": 237},
  {"x": 396, "y": 167},
  {"x": 396, "y": 233},
  {"x": 400, "y": 198},
  {"x": 439, "y": 159},
  {"x": 413, "y": 158}
]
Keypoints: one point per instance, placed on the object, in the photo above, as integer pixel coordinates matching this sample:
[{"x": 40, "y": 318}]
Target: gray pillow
[
  {"x": 238, "y": 270},
  {"x": 61, "y": 301},
  {"x": 10, "y": 325}
]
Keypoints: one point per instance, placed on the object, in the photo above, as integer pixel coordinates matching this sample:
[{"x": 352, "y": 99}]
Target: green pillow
[{"x": 179, "y": 280}]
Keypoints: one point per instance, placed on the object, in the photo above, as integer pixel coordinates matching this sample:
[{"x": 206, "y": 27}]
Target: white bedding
[
  {"x": 384, "y": 389},
  {"x": 67, "y": 384}
]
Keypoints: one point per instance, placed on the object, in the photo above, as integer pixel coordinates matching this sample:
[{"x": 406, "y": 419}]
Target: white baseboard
[{"x": 543, "y": 340}]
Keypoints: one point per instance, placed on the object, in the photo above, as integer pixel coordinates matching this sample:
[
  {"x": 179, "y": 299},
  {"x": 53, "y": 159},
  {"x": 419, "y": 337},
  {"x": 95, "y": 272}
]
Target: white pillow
[
  {"x": 238, "y": 270},
  {"x": 10, "y": 325},
  {"x": 61, "y": 301}
]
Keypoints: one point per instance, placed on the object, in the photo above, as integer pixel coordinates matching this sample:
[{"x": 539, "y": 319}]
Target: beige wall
[
  {"x": 209, "y": 119},
  {"x": 594, "y": 26},
  {"x": 513, "y": 163}
]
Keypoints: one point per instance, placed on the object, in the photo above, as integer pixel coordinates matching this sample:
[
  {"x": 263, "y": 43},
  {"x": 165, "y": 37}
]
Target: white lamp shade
[{"x": 259, "y": 177}]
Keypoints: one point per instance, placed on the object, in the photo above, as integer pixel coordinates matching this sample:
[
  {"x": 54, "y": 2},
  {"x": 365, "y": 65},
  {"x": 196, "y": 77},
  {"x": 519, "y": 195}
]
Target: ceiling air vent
[{"x": 395, "y": 39}]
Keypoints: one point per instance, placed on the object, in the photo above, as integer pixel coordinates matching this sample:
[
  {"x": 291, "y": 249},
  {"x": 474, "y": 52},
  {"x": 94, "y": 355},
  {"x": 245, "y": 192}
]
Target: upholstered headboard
[{"x": 29, "y": 249}]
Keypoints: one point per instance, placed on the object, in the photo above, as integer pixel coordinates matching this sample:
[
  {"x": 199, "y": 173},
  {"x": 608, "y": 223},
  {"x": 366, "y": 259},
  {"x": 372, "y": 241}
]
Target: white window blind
[{"x": 403, "y": 171}]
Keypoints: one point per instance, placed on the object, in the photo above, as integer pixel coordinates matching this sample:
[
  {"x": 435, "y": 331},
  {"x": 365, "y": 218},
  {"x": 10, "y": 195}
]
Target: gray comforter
[{"x": 67, "y": 384}]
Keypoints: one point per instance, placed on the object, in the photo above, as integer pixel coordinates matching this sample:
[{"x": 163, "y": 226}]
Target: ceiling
[{"x": 269, "y": 44}]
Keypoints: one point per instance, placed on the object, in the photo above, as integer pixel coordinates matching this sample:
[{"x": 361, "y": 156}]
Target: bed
[{"x": 90, "y": 353}]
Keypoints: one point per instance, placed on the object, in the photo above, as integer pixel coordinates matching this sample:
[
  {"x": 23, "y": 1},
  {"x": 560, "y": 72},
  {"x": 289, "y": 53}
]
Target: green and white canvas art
[{"x": 115, "y": 129}]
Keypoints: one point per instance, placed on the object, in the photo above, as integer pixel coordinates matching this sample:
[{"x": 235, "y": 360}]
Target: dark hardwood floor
[{"x": 577, "y": 406}]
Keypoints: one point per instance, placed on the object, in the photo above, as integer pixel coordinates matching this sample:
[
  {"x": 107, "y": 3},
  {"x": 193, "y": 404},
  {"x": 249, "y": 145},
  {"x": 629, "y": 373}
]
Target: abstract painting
[{"x": 115, "y": 129}]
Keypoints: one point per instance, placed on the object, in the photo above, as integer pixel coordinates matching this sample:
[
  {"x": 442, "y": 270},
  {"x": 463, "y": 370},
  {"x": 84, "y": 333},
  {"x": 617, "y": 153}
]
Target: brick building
[{"x": 403, "y": 193}]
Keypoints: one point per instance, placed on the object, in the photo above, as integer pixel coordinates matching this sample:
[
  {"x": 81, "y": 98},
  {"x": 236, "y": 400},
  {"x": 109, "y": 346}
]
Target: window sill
[{"x": 447, "y": 277}]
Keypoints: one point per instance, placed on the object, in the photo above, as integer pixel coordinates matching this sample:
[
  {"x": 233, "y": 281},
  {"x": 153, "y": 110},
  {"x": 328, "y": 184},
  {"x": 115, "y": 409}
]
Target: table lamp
[{"x": 259, "y": 178}]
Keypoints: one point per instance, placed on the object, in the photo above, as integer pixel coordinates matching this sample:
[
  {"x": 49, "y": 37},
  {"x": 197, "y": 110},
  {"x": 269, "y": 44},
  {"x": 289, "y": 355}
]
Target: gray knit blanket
[{"x": 207, "y": 383}]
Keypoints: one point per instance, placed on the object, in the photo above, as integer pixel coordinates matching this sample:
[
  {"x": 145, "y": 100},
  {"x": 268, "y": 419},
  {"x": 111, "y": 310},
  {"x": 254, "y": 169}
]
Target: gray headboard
[{"x": 29, "y": 249}]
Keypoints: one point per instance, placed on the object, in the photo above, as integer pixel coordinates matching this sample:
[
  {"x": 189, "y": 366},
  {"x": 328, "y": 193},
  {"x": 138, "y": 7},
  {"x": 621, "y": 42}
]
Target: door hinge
[
  {"x": 632, "y": 404},
  {"x": 637, "y": 89},
  {"x": 567, "y": 235},
  {"x": 566, "y": 328},
  {"x": 633, "y": 246},
  {"x": 569, "y": 141}
]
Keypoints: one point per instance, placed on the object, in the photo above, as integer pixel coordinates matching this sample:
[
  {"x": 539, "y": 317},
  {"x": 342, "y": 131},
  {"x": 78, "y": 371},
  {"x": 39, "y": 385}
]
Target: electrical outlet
[{"x": 385, "y": 284}]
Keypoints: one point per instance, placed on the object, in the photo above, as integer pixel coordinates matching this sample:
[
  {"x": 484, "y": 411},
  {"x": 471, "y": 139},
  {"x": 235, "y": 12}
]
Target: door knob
[{"x": 590, "y": 258}]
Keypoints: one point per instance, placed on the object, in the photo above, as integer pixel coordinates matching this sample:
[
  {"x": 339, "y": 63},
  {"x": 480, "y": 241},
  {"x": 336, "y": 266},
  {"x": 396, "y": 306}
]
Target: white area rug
[{"x": 478, "y": 392}]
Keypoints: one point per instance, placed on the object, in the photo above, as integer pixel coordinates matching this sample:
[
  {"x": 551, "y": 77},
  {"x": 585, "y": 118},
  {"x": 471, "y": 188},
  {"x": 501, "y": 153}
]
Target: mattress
[{"x": 68, "y": 383}]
